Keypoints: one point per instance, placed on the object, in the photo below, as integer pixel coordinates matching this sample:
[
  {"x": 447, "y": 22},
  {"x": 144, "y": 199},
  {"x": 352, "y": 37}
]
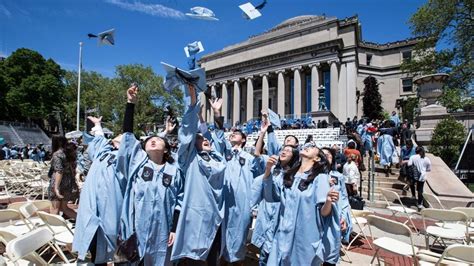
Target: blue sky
[{"x": 150, "y": 31}]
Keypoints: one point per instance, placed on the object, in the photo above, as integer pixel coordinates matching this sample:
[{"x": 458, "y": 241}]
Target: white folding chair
[
  {"x": 14, "y": 222},
  {"x": 16, "y": 205},
  {"x": 359, "y": 221},
  {"x": 444, "y": 229},
  {"x": 29, "y": 211},
  {"x": 389, "y": 244},
  {"x": 455, "y": 254},
  {"x": 62, "y": 230},
  {"x": 390, "y": 197},
  {"x": 27, "y": 244},
  {"x": 433, "y": 201}
]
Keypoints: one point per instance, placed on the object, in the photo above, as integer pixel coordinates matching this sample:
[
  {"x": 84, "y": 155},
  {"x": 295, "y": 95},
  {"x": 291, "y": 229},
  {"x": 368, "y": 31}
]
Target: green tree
[
  {"x": 408, "y": 109},
  {"x": 448, "y": 23},
  {"x": 109, "y": 96},
  {"x": 447, "y": 139},
  {"x": 372, "y": 100},
  {"x": 32, "y": 86},
  {"x": 451, "y": 99}
]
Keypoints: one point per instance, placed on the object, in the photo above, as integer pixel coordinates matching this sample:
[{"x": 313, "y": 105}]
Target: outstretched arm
[{"x": 187, "y": 132}]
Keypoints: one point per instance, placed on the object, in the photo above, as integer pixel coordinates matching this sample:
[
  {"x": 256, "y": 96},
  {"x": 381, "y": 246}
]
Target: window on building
[
  {"x": 369, "y": 59},
  {"x": 406, "y": 56},
  {"x": 407, "y": 85}
]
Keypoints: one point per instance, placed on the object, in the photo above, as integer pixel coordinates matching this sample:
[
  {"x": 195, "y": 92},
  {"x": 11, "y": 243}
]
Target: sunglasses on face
[{"x": 309, "y": 145}]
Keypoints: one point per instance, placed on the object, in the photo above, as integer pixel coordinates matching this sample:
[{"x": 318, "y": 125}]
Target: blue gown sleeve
[
  {"x": 257, "y": 191},
  {"x": 271, "y": 190},
  {"x": 273, "y": 147},
  {"x": 95, "y": 146},
  {"x": 187, "y": 137},
  {"x": 130, "y": 155},
  {"x": 219, "y": 144}
]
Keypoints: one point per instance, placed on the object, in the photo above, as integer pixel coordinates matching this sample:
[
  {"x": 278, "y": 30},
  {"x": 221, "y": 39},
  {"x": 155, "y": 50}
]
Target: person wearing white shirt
[
  {"x": 422, "y": 165},
  {"x": 352, "y": 175}
]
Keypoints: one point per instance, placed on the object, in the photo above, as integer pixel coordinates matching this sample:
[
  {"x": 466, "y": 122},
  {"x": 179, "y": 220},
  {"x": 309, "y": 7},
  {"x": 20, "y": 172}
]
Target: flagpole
[{"x": 79, "y": 86}]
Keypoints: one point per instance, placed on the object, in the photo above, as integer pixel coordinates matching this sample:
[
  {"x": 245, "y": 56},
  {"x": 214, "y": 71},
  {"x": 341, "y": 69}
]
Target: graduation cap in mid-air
[
  {"x": 199, "y": 12},
  {"x": 176, "y": 76},
  {"x": 105, "y": 38},
  {"x": 193, "y": 48},
  {"x": 251, "y": 11},
  {"x": 274, "y": 119}
]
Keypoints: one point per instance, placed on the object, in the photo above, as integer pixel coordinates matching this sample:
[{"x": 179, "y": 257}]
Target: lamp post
[{"x": 79, "y": 86}]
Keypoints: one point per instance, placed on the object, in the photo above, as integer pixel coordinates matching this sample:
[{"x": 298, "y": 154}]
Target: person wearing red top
[{"x": 351, "y": 150}]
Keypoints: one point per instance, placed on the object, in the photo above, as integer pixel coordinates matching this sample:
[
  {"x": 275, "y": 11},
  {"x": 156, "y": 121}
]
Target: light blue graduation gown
[
  {"x": 100, "y": 202},
  {"x": 152, "y": 195},
  {"x": 343, "y": 208},
  {"x": 202, "y": 209},
  {"x": 268, "y": 212},
  {"x": 240, "y": 171},
  {"x": 385, "y": 148},
  {"x": 301, "y": 237},
  {"x": 273, "y": 147}
]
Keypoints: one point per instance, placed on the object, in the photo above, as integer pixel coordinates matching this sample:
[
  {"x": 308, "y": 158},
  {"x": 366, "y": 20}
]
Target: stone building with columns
[{"x": 282, "y": 68}]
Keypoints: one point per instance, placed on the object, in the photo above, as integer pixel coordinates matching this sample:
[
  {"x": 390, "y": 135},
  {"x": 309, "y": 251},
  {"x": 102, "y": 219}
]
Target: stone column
[
  {"x": 351, "y": 89},
  {"x": 236, "y": 105},
  {"x": 211, "y": 112},
  {"x": 281, "y": 92},
  {"x": 334, "y": 91},
  {"x": 202, "y": 99},
  {"x": 265, "y": 91},
  {"x": 342, "y": 100},
  {"x": 249, "y": 97},
  {"x": 314, "y": 87},
  {"x": 297, "y": 91},
  {"x": 225, "y": 104}
]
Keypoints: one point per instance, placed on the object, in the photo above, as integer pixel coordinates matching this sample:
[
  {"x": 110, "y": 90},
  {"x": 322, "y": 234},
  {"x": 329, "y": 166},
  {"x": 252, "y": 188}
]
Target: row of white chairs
[
  {"x": 26, "y": 178},
  {"x": 21, "y": 219},
  {"x": 454, "y": 254}
]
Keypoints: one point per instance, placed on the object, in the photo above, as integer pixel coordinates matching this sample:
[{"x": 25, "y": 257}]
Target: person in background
[
  {"x": 352, "y": 150},
  {"x": 422, "y": 164},
  {"x": 63, "y": 187},
  {"x": 406, "y": 152},
  {"x": 394, "y": 117},
  {"x": 351, "y": 174},
  {"x": 339, "y": 158}
]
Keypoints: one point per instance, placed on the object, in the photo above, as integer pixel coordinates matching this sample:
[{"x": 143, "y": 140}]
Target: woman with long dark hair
[
  {"x": 267, "y": 218},
  {"x": 307, "y": 204},
  {"x": 420, "y": 165},
  {"x": 63, "y": 187}
]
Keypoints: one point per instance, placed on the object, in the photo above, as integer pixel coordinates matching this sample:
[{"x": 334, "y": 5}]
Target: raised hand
[
  {"x": 216, "y": 104},
  {"x": 333, "y": 196},
  {"x": 132, "y": 94},
  {"x": 95, "y": 120},
  {"x": 169, "y": 127},
  {"x": 272, "y": 160}
]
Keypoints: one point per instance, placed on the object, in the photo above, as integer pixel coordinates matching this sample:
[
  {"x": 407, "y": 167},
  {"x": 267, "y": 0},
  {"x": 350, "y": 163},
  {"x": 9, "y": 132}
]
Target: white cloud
[
  {"x": 150, "y": 9},
  {"x": 4, "y": 11}
]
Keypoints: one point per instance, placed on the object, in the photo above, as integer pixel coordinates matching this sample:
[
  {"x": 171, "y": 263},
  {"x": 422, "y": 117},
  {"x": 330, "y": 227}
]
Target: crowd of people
[
  {"x": 192, "y": 201},
  {"x": 37, "y": 153}
]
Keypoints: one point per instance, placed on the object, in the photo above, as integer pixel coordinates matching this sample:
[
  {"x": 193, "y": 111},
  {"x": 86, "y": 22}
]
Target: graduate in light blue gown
[
  {"x": 308, "y": 210},
  {"x": 241, "y": 169},
  {"x": 153, "y": 193},
  {"x": 101, "y": 200},
  {"x": 345, "y": 229},
  {"x": 197, "y": 234},
  {"x": 386, "y": 148},
  {"x": 268, "y": 212}
]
